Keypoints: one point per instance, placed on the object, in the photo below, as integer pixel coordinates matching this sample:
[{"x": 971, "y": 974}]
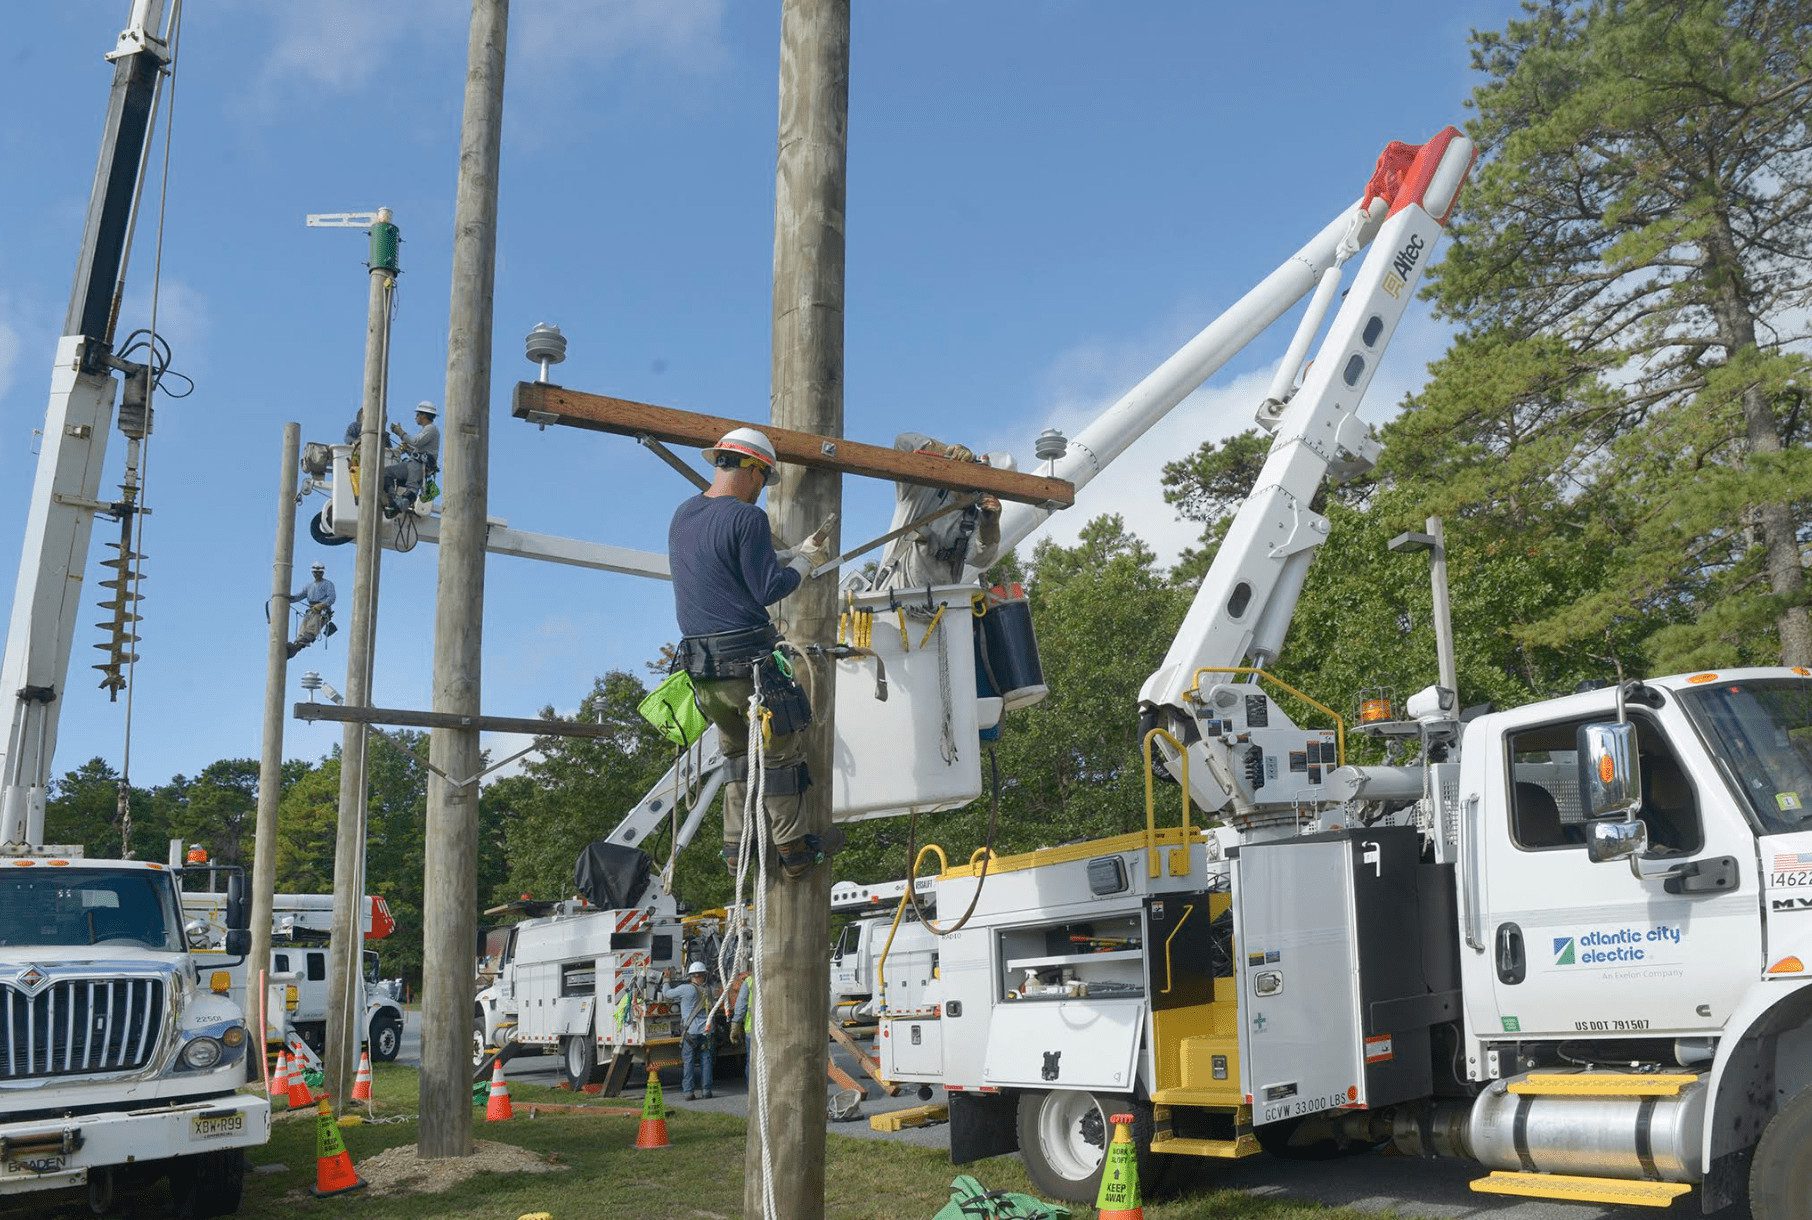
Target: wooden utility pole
[
  {"x": 807, "y": 395},
  {"x": 450, "y": 914},
  {"x": 270, "y": 757},
  {"x": 345, "y": 1016}
]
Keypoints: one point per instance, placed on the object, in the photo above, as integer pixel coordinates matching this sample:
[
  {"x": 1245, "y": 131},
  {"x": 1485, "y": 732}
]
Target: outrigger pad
[{"x": 611, "y": 876}]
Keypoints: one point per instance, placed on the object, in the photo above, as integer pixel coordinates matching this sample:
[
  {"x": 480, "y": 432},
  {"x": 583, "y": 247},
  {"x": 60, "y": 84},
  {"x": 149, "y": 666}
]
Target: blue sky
[{"x": 1044, "y": 201}]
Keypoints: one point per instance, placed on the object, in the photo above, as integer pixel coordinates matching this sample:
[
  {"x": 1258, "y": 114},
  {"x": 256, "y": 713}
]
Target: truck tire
[
  {"x": 210, "y": 1184},
  {"x": 578, "y": 1060},
  {"x": 1063, "y": 1138},
  {"x": 1780, "y": 1176},
  {"x": 386, "y": 1036},
  {"x": 480, "y": 1050}
]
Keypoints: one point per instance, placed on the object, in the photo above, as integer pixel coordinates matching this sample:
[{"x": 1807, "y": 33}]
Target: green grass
[{"x": 700, "y": 1176}]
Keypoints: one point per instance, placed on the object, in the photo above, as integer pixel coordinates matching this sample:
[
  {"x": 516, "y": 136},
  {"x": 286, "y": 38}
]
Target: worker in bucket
[
  {"x": 697, "y": 1054},
  {"x": 937, "y": 552},
  {"x": 726, "y": 572},
  {"x": 317, "y": 597},
  {"x": 420, "y": 456}
]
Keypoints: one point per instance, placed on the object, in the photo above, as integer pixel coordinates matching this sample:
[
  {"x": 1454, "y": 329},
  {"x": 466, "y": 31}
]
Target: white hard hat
[
  {"x": 425, "y": 408},
  {"x": 696, "y": 968},
  {"x": 748, "y": 442},
  {"x": 319, "y": 567}
]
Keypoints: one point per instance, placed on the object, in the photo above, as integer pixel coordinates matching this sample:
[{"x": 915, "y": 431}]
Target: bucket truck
[
  {"x": 121, "y": 1054},
  {"x": 1569, "y": 942}
]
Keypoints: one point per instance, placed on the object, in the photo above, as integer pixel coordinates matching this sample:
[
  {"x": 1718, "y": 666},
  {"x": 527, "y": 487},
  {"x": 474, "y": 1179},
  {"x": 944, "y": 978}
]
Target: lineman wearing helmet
[
  {"x": 726, "y": 572},
  {"x": 420, "y": 455},
  {"x": 937, "y": 552},
  {"x": 698, "y": 1051},
  {"x": 318, "y": 594}
]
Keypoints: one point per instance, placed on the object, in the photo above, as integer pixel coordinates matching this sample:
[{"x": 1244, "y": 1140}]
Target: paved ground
[{"x": 1432, "y": 1190}]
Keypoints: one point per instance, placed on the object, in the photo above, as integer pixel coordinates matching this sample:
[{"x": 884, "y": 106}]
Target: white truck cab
[{"x": 120, "y": 1050}]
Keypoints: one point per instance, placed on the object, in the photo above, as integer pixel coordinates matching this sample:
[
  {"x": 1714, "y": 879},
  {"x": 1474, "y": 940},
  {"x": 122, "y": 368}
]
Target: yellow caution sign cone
[
  {"x": 1119, "y": 1195},
  {"x": 653, "y": 1131},
  {"x": 334, "y": 1174}
]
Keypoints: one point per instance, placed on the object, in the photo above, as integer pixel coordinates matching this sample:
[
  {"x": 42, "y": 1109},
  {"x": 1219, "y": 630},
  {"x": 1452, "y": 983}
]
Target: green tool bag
[
  {"x": 673, "y": 711},
  {"x": 970, "y": 1200}
]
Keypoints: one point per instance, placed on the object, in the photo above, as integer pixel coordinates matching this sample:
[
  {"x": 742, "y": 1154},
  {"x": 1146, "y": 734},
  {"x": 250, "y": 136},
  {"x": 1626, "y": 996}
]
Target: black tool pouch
[{"x": 789, "y": 710}]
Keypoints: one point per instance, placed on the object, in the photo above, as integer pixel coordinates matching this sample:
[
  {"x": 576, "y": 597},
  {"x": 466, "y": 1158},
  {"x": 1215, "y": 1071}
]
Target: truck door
[
  {"x": 1571, "y": 948},
  {"x": 846, "y": 960}
]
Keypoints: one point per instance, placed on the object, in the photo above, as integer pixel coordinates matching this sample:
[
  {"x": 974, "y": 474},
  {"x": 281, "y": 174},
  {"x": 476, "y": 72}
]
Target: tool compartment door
[{"x": 1073, "y": 1044}]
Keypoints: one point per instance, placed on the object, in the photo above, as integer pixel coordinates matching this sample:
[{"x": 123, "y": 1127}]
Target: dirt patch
[{"x": 398, "y": 1170}]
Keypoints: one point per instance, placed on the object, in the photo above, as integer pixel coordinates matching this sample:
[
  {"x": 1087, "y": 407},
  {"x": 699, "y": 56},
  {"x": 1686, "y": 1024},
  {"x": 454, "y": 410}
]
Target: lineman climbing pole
[
  {"x": 450, "y": 909},
  {"x": 807, "y": 389}
]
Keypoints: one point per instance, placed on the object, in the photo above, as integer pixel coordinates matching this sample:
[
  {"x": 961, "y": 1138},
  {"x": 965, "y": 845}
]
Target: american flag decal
[{"x": 1792, "y": 861}]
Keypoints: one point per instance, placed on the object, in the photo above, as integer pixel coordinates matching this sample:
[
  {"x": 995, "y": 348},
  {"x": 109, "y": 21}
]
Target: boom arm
[
  {"x": 47, "y": 597},
  {"x": 1244, "y": 606}
]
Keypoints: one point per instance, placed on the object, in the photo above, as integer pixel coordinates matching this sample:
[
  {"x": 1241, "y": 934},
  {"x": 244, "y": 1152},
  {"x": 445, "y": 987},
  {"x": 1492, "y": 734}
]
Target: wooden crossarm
[{"x": 541, "y": 402}]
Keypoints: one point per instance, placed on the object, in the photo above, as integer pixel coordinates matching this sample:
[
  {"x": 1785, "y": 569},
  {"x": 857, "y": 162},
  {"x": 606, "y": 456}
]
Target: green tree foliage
[{"x": 1631, "y": 265}]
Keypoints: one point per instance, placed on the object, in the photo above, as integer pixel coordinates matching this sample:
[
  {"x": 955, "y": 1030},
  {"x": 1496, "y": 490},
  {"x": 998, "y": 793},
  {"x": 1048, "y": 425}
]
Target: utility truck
[
  {"x": 1570, "y": 942},
  {"x": 122, "y": 1049},
  {"x": 582, "y": 977},
  {"x": 296, "y": 980},
  {"x": 883, "y": 933}
]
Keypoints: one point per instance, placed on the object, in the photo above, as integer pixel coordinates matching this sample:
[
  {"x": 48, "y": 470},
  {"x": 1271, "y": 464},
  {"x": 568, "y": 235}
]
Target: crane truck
[
  {"x": 121, "y": 1054},
  {"x": 1570, "y": 942}
]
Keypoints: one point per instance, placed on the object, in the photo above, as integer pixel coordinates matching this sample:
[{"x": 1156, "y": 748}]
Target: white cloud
[
  {"x": 9, "y": 355},
  {"x": 561, "y": 33},
  {"x": 342, "y": 46}
]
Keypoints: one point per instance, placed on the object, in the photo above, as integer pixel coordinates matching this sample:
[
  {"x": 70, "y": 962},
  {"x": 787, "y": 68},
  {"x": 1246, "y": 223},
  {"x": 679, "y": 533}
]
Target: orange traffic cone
[
  {"x": 280, "y": 1077},
  {"x": 334, "y": 1174},
  {"x": 497, "y": 1107},
  {"x": 299, "y": 1096},
  {"x": 1119, "y": 1195},
  {"x": 361, "y": 1083},
  {"x": 653, "y": 1131}
]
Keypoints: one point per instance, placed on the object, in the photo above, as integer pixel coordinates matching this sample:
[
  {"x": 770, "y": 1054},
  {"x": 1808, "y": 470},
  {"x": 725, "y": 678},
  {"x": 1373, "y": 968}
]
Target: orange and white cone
[
  {"x": 361, "y": 1083},
  {"x": 653, "y": 1131},
  {"x": 334, "y": 1174},
  {"x": 280, "y": 1077},
  {"x": 299, "y": 1096},
  {"x": 1118, "y": 1198},
  {"x": 497, "y": 1107}
]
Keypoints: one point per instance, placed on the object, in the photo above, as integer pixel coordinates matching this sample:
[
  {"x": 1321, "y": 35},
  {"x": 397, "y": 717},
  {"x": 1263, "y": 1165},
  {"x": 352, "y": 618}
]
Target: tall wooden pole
[
  {"x": 270, "y": 757},
  {"x": 345, "y": 1016},
  {"x": 807, "y": 390},
  {"x": 450, "y": 914}
]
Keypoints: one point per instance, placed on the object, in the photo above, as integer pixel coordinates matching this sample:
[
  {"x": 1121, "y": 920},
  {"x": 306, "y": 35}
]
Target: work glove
[
  {"x": 813, "y": 552},
  {"x": 959, "y": 453}
]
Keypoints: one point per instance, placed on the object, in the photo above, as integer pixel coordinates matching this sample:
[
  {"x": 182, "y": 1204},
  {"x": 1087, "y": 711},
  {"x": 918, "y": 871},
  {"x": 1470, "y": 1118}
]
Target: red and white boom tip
[{"x": 1428, "y": 175}]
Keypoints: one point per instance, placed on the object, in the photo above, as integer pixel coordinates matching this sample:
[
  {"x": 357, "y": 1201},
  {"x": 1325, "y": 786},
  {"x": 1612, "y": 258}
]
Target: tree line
[{"x": 1617, "y": 439}]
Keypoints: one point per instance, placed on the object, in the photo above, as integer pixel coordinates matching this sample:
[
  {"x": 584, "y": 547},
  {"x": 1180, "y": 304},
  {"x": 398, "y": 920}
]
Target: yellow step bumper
[{"x": 1582, "y": 1190}]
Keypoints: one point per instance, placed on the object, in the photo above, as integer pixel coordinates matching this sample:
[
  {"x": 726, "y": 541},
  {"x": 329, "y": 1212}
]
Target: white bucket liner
[{"x": 918, "y": 748}]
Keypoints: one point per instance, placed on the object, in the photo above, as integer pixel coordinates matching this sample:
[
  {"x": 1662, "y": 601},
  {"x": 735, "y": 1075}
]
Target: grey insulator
[
  {"x": 546, "y": 345},
  {"x": 1050, "y": 445}
]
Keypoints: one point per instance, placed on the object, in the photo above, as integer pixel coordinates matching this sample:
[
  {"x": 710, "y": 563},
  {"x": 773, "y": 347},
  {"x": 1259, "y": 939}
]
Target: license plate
[{"x": 207, "y": 1126}]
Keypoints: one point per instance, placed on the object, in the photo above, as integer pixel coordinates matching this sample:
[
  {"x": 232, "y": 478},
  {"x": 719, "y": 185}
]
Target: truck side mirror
[
  {"x": 1610, "y": 777},
  {"x": 238, "y": 907},
  {"x": 238, "y": 942},
  {"x": 1608, "y": 840}
]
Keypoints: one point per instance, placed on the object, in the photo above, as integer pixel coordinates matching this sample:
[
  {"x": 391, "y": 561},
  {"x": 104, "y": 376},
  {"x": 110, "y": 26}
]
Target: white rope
[{"x": 757, "y": 832}]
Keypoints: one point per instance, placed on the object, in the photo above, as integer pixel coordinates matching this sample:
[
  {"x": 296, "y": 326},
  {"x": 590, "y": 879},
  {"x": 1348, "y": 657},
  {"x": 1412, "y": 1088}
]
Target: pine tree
[{"x": 1632, "y": 266}]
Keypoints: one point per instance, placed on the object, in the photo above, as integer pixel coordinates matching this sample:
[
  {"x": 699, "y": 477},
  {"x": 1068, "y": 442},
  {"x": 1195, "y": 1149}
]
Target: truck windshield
[
  {"x": 88, "y": 906},
  {"x": 1761, "y": 733}
]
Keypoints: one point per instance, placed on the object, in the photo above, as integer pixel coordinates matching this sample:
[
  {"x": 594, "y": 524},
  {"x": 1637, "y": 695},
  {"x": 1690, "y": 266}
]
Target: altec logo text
[
  {"x": 1610, "y": 948},
  {"x": 1408, "y": 256}
]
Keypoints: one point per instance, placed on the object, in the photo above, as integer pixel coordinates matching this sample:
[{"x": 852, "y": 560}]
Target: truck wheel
[
  {"x": 1780, "y": 1177},
  {"x": 480, "y": 1052},
  {"x": 1063, "y": 1138},
  {"x": 578, "y": 1060},
  {"x": 208, "y": 1185},
  {"x": 386, "y": 1036}
]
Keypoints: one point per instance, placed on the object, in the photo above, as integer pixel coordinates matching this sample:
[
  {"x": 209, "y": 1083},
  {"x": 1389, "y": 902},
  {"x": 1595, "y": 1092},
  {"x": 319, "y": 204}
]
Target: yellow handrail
[
  {"x": 1195, "y": 688},
  {"x": 943, "y": 864},
  {"x": 1151, "y": 808}
]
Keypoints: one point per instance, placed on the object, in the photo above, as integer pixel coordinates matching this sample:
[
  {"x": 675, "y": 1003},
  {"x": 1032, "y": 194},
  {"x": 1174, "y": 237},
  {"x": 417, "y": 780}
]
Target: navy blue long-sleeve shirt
[{"x": 725, "y": 572}]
